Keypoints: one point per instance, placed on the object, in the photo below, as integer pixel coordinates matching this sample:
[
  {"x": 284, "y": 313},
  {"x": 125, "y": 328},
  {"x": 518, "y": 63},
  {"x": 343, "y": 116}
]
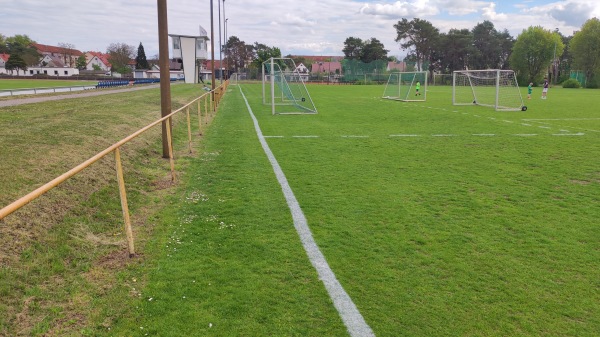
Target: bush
[{"x": 571, "y": 83}]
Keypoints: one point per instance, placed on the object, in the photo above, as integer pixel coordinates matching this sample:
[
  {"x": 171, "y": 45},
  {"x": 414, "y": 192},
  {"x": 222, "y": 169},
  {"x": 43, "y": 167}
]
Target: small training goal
[
  {"x": 492, "y": 88},
  {"x": 284, "y": 89},
  {"x": 406, "y": 86}
]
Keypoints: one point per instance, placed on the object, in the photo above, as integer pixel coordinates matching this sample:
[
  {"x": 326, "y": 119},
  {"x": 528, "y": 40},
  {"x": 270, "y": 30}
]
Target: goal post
[
  {"x": 283, "y": 88},
  {"x": 406, "y": 86},
  {"x": 494, "y": 88}
]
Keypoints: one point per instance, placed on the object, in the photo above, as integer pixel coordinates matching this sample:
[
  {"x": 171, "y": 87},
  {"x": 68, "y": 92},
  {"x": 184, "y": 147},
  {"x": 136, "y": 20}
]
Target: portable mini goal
[
  {"x": 284, "y": 89},
  {"x": 402, "y": 86},
  {"x": 493, "y": 88}
]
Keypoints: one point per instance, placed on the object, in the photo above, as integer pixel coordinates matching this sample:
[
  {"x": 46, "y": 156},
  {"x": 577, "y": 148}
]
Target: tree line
[{"x": 534, "y": 54}]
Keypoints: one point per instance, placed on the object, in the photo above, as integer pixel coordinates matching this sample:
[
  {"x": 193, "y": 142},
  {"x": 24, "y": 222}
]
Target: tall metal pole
[
  {"x": 220, "y": 47},
  {"x": 165, "y": 76},
  {"x": 212, "y": 51},
  {"x": 225, "y": 33}
]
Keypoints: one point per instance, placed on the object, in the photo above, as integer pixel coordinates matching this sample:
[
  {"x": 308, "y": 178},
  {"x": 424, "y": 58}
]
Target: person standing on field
[
  {"x": 417, "y": 88},
  {"x": 529, "y": 90},
  {"x": 545, "y": 90}
]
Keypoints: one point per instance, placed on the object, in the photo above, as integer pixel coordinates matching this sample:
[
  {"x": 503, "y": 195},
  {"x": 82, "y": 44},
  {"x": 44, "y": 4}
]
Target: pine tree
[{"x": 140, "y": 60}]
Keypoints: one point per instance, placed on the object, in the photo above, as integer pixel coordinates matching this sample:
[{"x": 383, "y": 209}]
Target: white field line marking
[
  {"x": 355, "y": 136},
  {"x": 506, "y": 121},
  {"x": 402, "y": 135},
  {"x": 544, "y": 127},
  {"x": 560, "y": 119},
  {"x": 525, "y": 124},
  {"x": 443, "y": 135},
  {"x": 305, "y": 136},
  {"x": 353, "y": 320},
  {"x": 273, "y": 136},
  {"x": 569, "y": 134},
  {"x": 484, "y": 134}
]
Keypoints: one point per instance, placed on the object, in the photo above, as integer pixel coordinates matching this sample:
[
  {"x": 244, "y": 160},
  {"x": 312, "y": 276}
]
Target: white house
[
  {"x": 97, "y": 60},
  {"x": 3, "y": 59}
]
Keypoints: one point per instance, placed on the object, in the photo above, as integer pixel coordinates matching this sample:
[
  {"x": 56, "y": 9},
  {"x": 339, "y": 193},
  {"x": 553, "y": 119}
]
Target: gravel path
[{"x": 87, "y": 93}]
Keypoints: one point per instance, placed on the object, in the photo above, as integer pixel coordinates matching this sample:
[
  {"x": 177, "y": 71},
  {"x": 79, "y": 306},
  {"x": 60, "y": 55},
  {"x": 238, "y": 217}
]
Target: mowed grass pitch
[
  {"x": 432, "y": 225},
  {"x": 437, "y": 220},
  {"x": 7, "y": 84}
]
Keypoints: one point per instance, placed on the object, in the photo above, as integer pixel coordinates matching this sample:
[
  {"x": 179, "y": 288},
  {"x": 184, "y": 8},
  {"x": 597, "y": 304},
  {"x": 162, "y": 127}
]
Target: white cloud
[
  {"x": 489, "y": 13},
  {"x": 400, "y": 9},
  {"x": 462, "y": 7},
  {"x": 312, "y": 27},
  {"x": 572, "y": 13}
]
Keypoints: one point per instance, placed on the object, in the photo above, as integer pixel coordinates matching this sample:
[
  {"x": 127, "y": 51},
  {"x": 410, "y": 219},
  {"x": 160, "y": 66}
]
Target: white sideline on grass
[{"x": 352, "y": 318}]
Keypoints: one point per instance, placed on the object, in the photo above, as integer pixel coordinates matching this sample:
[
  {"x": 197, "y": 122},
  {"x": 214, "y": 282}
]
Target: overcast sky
[{"x": 307, "y": 27}]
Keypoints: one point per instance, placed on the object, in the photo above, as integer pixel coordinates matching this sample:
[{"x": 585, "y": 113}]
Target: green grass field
[
  {"x": 478, "y": 223},
  {"x": 26, "y": 83},
  {"x": 437, "y": 221}
]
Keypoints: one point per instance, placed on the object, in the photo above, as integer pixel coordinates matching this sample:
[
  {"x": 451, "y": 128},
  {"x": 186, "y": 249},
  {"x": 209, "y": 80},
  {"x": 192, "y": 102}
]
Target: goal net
[
  {"x": 406, "y": 86},
  {"x": 284, "y": 89},
  {"x": 493, "y": 88}
]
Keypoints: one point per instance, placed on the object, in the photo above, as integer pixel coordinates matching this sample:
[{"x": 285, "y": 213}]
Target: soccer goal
[
  {"x": 284, "y": 89},
  {"x": 407, "y": 86},
  {"x": 493, "y": 88}
]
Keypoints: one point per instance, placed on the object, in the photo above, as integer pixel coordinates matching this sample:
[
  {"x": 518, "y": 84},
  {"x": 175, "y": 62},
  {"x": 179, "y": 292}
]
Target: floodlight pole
[
  {"x": 165, "y": 76},
  {"x": 212, "y": 51}
]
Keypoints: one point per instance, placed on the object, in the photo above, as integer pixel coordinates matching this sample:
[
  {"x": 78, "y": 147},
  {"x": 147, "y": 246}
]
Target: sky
[{"x": 307, "y": 27}]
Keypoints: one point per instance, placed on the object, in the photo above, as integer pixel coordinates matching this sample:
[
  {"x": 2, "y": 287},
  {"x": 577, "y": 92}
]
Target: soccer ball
[{"x": 523, "y": 108}]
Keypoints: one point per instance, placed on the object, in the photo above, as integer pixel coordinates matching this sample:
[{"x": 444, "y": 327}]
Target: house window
[
  {"x": 176, "y": 43},
  {"x": 56, "y": 72},
  {"x": 46, "y": 72},
  {"x": 66, "y": 72},
  {"x": 31, "y": 72}
]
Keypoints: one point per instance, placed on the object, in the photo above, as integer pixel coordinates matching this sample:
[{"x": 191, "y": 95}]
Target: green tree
[
  {"x": 119, "y": 55},
  {"x": 585, "y": 48},
  {"x": 81, "y": 62},
  {"x": 534, "y": 51},
  {"x": 3, "y": 47},
  {"x": 15, "y": 62},
  {"x": 420, "y": 36},
  {"x": 22, "y": 45},
  {"x": 237, "y": 54},
  {"x": 264, "y": 53},
  {"x": 493, "y": 48},
  {"x": 22, "y": 40},
  {"x": 353, "y": 48},
  {"x": 140, "y": 60},
  {"x": 373, "y": 50},
  {"x": 455, "y": 50},
  {"x": 28, "y": 54}
]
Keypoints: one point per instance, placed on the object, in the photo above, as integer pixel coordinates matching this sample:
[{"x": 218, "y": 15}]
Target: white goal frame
[
  {"x": 283, "y": 88},
  {"x": 401, "y": 86},
  {"x": 494, "y": 88}
]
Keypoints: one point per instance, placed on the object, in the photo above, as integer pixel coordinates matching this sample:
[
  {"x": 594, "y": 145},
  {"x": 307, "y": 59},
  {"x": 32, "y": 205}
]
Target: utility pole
[
  {"x": 212, "y": 51},
  {"x": 165, "y": 76},
  {"x": 225, "y": 33},
  {"x": 220, "y": 47}
]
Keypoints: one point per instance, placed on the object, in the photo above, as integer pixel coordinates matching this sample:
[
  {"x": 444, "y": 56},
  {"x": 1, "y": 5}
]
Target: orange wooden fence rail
[{"x": 218, "y": 94}]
